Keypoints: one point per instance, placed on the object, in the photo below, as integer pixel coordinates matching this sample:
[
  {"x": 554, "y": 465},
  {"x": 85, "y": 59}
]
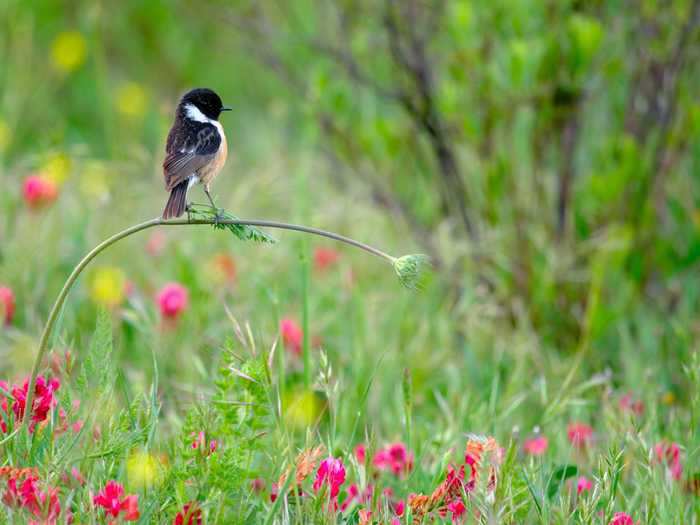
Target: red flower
[
  {"x": 292, "y": 335},
  {"x": 38, "y": 191},
  {"x": 536, "y": 446},
  {"x": 394, "y": 457},
  {"x": 360, "y": 453},
  {"x": 324, "y": 258},
  {"x": 670, "y": 454},
  {"x": 583, "y": 484},
  {"x": 621, "y": 518},
  {"x": 7, "y": 305},
  {"x": 457, "y": 509},
  {"x": 172, "y": 300},
  {"x": 579, "y": 434},
  {"x": 44, "y": 399},
  {"x": 41, "y": 504},
  {"x": 190, "y": 514},
  {"x": 331, "y": 472},
  {"x": 258, "y": 485},
  {"x": 111, "y": 500}
]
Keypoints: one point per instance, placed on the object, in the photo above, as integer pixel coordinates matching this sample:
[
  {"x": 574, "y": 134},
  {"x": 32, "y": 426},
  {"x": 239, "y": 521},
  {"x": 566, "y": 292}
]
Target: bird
[{"x": 196, "y": 149}]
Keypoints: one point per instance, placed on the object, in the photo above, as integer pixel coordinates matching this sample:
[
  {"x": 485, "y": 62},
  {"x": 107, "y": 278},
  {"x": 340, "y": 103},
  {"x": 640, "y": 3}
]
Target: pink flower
[
  {"x": 629, "y": 404},
  {"x": 190, "y": 514},
  {"x": 172, "y": 300},
  {"x": 38, "y": 191},
  {"x": 621, "y": 518},
  {"x": 583, "y": 484},
  {"x": 77, "y": 476},
  {"x": 579, "y": 434},
  {"x": 7, "y": 305},
  {"x": 324, "y": 258},
  {"x": 400, "y": 507},
  {"x": 536, "y": 446},
  {"x": 43, "y": 505},
  {"x": 111, "y": 500},
  {"x": 457, "y": 509},
  {"x": 292, "y": 335},
  {"x": 258, "y": 485},
  {"x": 43, "y": 402},
  {"x": 670, "y": 454},
  {"x": 360, "y": 453},
  {"x": 394, "y": 457},
  {"x": 332, "y": 472},
  {"x": 200, "y": 443}
]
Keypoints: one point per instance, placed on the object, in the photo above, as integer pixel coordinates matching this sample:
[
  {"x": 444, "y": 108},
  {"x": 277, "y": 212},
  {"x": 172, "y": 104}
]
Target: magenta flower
[
  {"x": 43, "y": 505},
  {"x": 172, "y": 300},
  {"x": 621, "y": 518},
  {"x": 38, "y": 191},
  {"x": 670, "y": 455},
  {"x": 44, "y": 399},
  {"x": 292, "y": 335},
  {"x": 331, "y": 472},
  {"x": 7, "y": 305},
  {"x": 111, "y": 500},
  {"x": 536, "y": 446},
  {"x": 395, "y": 458},
  {"x": 579, "y": 434},
  {"x": 190, "y": 514},
  {"x": 457, "y": 509},
  {"x": 360, "y": 453},
  {"x": 583, "y": 484}
]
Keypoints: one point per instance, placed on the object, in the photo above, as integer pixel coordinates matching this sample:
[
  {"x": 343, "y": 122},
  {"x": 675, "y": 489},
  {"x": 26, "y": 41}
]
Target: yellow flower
[
  {"x": 4, "y": 135},
  {"x": 144, "y": 470},
  {"x": 68, "y": 51},
  {"x": 57, "y": 168},
  {"x": 107, "y": 286},
  {"x": 668, "y": 398},
  {"x": 301, "y": 408},
  {"x": 94, "y": 184},
  {"x": 131, "y": 100}
]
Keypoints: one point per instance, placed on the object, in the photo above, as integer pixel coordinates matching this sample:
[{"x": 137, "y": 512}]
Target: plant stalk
[{"x": 60, "y": 300}]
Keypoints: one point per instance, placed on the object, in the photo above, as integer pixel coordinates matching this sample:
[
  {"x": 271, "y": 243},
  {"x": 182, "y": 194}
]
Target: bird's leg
[
  {"x": 217, "y": 211},
  {"x": 188, "y": 209}
]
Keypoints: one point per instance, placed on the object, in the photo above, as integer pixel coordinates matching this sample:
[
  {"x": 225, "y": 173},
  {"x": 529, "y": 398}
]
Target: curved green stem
[{"x": 60, "y": 300}]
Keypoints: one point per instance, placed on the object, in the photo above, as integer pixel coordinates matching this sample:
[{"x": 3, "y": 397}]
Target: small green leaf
[
  {"x": 241, "y": 231},
  {"x": 558, "y": 477}
]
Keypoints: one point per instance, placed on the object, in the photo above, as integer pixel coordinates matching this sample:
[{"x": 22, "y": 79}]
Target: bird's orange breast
[{"x": 209, "y": 172}]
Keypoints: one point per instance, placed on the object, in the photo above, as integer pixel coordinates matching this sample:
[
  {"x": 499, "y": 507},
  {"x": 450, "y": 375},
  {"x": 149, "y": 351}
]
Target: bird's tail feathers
[{"x": 177, "y": 201}]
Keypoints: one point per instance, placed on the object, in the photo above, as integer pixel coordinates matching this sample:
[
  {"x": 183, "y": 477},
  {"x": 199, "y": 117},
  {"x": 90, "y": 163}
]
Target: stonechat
[{"x": 196, "y": 149}]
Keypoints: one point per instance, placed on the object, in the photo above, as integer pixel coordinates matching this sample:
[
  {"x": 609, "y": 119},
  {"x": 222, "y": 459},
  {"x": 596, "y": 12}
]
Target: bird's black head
[{"x": 205, "y": 100}]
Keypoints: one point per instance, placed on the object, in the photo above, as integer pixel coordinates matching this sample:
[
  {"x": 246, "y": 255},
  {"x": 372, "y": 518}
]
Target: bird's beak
[{"x": 226, "y": 108}]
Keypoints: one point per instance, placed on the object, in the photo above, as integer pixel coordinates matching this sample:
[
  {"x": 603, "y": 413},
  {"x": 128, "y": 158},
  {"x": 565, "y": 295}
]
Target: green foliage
[
  {"x": 553, "y": 307},
  {"x": 240, "y": 231}
]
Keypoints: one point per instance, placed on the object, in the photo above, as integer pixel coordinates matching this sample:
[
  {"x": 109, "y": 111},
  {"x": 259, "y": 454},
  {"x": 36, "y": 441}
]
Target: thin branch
[{"x": 60, "y": 300}]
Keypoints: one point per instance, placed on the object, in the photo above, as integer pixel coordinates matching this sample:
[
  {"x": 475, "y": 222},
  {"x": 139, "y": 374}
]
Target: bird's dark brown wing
[{"x": 188, "y": 151}]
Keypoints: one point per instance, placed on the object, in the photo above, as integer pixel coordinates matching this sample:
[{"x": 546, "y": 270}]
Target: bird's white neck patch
[{"x": 194, "y": 113}]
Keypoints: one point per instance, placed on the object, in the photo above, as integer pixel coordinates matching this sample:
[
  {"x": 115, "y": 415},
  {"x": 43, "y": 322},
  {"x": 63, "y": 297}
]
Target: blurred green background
[{"x": 543, "y": 153}]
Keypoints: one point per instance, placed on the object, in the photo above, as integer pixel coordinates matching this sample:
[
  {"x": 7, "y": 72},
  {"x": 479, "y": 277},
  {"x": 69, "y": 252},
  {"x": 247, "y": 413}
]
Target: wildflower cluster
[{"x": 44, "y": 401}]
